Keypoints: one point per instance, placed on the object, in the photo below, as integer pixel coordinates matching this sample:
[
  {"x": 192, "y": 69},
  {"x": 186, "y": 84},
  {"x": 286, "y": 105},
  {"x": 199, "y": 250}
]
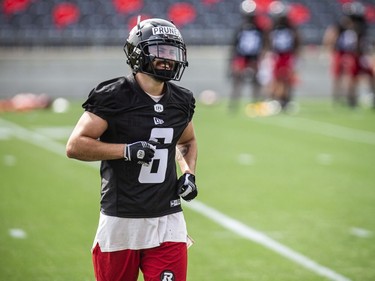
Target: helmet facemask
[
  {"x": 163, "y": 61},
  {"x": 155, "y": 47}
]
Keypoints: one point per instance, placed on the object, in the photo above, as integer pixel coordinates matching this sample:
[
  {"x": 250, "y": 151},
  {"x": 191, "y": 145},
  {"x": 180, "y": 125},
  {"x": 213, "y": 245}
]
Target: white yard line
[
  {"x": 264, "y": 240},
  {"x": 323, "y": 128},
  {"x": 37, "y": 139},
  {"x": 204, "y": 210},
  {"x": 17, "y": 233}
]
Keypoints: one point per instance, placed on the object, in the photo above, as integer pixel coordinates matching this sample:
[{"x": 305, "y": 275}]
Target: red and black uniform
[
  {"x": 351, "y": 47},
  {"x": 248, "y": 46},
  {"x": 284, "y": 43}
]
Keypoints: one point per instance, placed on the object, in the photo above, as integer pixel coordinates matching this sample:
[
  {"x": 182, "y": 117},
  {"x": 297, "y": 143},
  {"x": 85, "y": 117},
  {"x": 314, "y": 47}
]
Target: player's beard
[{"x": 164, "y": 70}]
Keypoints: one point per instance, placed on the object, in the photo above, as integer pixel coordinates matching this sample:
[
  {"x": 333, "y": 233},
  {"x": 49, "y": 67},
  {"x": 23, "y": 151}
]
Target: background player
[
  {"x": 248, "y": 47},
  {"x": 350, "y": 46},
  {"x": 133, "y": 125},
  {"x": 285, "y": 44}
]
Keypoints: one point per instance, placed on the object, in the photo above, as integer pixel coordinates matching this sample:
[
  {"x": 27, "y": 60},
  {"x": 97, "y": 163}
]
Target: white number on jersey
[{"x": 148, "y": 174}]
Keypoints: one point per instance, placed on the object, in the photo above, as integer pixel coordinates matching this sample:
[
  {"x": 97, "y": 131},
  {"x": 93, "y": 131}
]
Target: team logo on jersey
[
  {"x": 158, "y": 121},
  {"x": 167, "y": 276},
  {"x": 158, "y": 107},
  {"x": 175, "y": 203}
]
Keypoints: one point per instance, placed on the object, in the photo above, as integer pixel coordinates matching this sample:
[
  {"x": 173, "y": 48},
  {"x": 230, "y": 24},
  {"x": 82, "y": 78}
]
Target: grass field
[{"x": 282, "y": 198}]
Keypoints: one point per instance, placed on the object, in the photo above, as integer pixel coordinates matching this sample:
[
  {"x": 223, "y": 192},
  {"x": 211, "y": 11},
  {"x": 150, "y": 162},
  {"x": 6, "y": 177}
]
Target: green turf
[{"x": 305, "y": 180}]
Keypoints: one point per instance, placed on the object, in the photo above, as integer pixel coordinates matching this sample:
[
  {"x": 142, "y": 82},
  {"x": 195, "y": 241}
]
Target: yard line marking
[
  {"x": 264, "y": 240},
  {"x": 360, "y": 232},
  {"x": 33, "y": 137},
  {"x": 59, "y": 132},
  {"x": 38, "y": 139},
  {"x": 204, "y": 210},
  {"x": 323, "y": 128},
  {"x": 17, "y": 233}
]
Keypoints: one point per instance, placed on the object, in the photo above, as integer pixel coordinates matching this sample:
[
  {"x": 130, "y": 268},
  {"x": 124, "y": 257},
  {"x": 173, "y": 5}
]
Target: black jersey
[
  {"x": 352, "y": 38},
  {"x": 249, "y": 41},
  {"x": 129, "y": 189},
  {"x": 283, "y": 38}
]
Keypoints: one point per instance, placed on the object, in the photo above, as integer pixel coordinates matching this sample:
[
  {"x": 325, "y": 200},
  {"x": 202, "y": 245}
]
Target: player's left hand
[
  {"x": 141, "y": 152},
  {"x": 186, "y": 187}
]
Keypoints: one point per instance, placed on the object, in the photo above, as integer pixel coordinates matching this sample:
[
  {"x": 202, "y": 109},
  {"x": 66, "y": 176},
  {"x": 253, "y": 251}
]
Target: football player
[
  {"x": 285, "y": 44},
  {"x": 348, "y": 41},
  {"x": 248, "y": 47},
  {"x": 135, "y": 126}
]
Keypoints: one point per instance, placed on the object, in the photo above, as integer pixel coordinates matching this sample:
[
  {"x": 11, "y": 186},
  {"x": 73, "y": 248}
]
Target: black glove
[
  {"x": 186, "y": 187},
  {"x": 141, "y": 152}
]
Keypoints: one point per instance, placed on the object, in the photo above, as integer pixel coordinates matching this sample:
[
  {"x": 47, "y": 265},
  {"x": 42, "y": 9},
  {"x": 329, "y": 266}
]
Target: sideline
[{"x": 204, "y": 210}]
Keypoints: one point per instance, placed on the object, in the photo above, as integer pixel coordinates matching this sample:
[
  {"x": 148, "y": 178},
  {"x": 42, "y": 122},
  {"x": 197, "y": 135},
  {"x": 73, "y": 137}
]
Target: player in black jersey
[{"x": 136, "y": 126}]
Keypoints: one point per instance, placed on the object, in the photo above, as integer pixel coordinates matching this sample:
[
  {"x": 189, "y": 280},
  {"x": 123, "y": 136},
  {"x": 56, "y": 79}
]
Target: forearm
[
  {"x": 187, "y": 156},
  {"x": 89, "y": 149}
]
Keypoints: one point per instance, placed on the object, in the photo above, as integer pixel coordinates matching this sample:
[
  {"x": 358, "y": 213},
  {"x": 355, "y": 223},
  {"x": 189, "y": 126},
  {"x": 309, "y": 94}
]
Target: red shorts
[
  {"x": 168, "y": 262},
  {"x": 284, "y": 67},
  {"x": 350, "y": 64},
  {"x": 239, "y": 64},
  {"x": 343, "y": 63}
]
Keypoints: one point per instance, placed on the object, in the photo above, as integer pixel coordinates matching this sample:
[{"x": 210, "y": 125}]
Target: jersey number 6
[{"x": 156, "y": 171}]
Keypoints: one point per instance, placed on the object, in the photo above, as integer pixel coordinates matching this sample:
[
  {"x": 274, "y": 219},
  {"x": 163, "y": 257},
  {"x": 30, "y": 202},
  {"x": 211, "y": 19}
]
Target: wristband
[{"x": 126, "y": 158}]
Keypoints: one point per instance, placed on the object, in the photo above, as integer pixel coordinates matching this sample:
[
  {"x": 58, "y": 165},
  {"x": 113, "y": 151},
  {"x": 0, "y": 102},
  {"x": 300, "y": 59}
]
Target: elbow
[{"x": 70, "y": 151}]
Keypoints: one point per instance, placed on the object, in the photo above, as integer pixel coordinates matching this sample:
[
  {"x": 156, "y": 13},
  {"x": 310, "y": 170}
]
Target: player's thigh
[
  {"x": 116, "y": 266},
  {"x": 168, "y": 262}
]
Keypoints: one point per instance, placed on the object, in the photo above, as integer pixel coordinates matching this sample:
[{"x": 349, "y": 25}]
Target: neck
[{"x": 149, "y": 84}]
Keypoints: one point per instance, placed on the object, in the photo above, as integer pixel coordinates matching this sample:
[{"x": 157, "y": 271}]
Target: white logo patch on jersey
[
  {"x": 158, "y": 121},
  {"x": 175, "y": 203},
  {"x": 167, "y": 276},
  {"x": 158, "y": 107}
]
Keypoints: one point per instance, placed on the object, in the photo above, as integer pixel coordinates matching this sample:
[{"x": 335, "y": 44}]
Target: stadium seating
[{"x": 107, "y": 22}]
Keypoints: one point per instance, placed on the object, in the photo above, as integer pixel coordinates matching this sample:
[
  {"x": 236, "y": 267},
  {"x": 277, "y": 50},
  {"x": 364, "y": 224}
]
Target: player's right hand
[{"x": 141, "y": 152}]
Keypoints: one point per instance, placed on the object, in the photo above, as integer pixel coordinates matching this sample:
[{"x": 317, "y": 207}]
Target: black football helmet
[
  {"x": 354, "y": 9},
  {"x": 155, "y": 47}
]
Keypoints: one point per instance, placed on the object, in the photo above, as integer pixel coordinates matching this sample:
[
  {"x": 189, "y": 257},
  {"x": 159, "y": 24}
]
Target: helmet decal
[{"x": 166, "y": 30}]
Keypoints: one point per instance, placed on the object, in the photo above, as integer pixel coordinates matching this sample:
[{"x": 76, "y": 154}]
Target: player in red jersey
[
  {"x": 285, "y": 43},
  {"x": 134, "y": 125}
]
